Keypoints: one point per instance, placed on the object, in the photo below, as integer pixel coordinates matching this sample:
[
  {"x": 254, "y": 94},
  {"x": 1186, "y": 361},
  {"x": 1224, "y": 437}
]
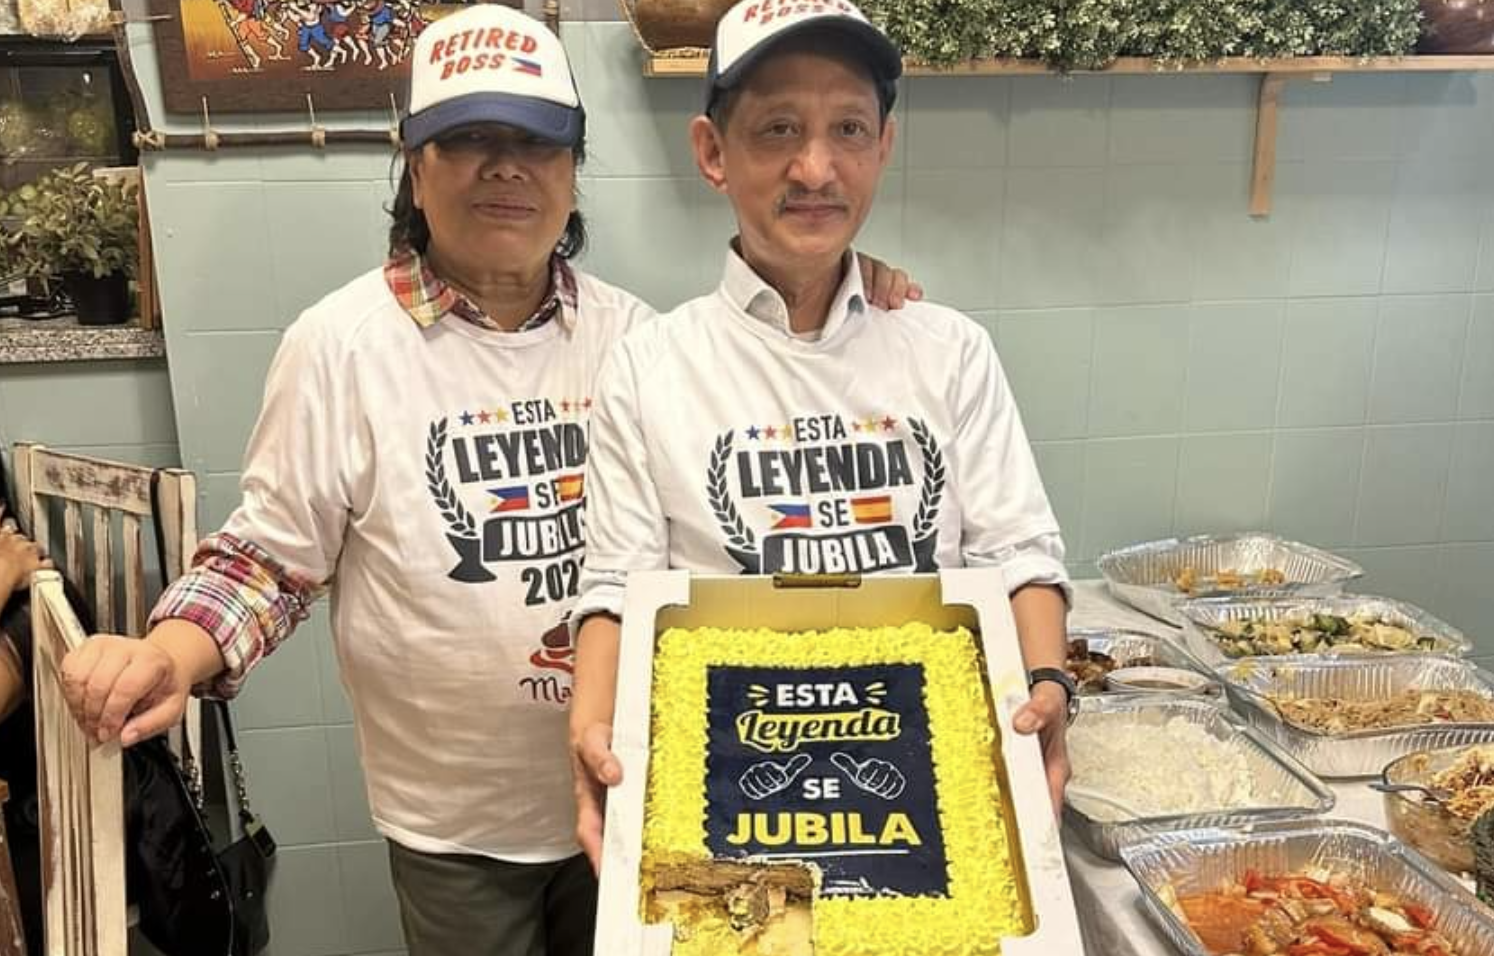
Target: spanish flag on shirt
[
  {"x": 569, "y": 487},
  {"x": 873, "y": 510}
]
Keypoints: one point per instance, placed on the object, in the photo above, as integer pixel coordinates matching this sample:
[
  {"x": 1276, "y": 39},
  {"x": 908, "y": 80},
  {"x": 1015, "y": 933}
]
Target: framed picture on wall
[{"x": 258, "y": 56}]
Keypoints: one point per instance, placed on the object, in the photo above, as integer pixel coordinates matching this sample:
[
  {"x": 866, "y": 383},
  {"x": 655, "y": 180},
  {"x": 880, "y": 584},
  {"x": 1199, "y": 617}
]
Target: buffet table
[{"x": 1110, "y": 908}]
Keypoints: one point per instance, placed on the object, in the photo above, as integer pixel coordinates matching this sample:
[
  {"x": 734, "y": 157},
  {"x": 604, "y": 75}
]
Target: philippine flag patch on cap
[{"x": 489, "y": 63}]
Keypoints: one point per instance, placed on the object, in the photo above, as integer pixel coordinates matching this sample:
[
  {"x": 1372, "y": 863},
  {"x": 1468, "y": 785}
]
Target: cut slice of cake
[{"x": 718, "y": 907}]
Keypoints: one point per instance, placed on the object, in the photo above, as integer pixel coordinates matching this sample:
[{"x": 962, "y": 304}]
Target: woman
[{"x": 419, "y": 455}]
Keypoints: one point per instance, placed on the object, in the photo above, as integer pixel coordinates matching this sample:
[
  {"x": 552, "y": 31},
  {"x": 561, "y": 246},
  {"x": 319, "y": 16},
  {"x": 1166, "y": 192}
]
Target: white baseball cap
[
  {"x": 750, "y": 29},
  {"x": 490, "y": 63}
]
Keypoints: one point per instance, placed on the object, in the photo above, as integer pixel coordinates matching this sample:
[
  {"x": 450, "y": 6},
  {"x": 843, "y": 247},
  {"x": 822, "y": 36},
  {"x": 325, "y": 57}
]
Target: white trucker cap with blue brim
[
  {"x": 750, "y": 30},
  {"x": 490, "y": 63}
]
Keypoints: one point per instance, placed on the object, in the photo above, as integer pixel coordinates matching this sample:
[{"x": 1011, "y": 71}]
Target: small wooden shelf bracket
[{"x": 1267, "y": 113}]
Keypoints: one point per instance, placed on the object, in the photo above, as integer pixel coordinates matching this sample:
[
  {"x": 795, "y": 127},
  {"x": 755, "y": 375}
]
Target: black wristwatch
[{"x": 1060, "y": 677}]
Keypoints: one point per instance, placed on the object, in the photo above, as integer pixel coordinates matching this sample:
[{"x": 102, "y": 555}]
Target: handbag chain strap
[
  {"x": 190, "y": 763},
  {"x": 235, "y": 765}
]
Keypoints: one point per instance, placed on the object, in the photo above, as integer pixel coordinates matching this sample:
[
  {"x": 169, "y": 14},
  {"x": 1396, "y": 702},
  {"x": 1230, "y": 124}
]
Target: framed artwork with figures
[{"x": 258, "y": 56}]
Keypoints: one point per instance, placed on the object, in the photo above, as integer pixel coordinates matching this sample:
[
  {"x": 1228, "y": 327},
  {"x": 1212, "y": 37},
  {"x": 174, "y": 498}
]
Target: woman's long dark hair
[{"x": 409, "y": 230}]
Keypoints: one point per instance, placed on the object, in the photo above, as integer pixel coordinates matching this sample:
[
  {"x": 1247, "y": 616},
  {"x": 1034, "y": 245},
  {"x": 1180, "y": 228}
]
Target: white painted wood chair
[
  {"x": 81, "y": 786},
  {"x": 82, "y": 798}
]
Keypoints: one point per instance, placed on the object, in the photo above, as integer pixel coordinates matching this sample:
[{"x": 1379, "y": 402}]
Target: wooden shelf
[
  {"x": 678, "y": 66},
  {"x": 1274, "y": 75}
]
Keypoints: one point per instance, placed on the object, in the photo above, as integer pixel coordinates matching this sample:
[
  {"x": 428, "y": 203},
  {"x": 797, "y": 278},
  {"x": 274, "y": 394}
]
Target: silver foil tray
[
  {"x": 1360, "y": 753},
  {"x": 1199, "y": 861},
  {"x": 1203, "y": 619},
  {"x": 1125, "y": 646},
  {"x": 1301, "y": 794},
  {"x": 1141, "y": 575}
]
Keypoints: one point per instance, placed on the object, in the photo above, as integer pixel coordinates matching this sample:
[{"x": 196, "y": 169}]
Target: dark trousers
[{"x": 458, "y": 905}]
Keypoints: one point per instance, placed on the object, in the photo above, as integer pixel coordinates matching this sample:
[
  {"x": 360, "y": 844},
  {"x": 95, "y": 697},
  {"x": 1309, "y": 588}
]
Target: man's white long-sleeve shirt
[{"x": 722, "y": 442}]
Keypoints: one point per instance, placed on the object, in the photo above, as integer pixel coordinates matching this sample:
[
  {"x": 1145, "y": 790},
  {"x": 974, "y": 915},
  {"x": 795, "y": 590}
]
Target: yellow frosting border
[{"x": 986, "y": 900}]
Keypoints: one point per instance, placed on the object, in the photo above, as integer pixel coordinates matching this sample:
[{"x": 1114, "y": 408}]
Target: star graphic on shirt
[
  {"x": 587, "y": 404},
  {"x": 855, "y": 426},
  {"x": 887, "y": 423},
  {"x": 753, "y": 431},
  {"x": 787, "y": 432},
  {"x": 483, "y": 416},
  {"x": 770, "y": 432},
  {"x": 500, "y": 414},
  {"x": 466, "y": 418},
  {"x": 565, "y": 406}
]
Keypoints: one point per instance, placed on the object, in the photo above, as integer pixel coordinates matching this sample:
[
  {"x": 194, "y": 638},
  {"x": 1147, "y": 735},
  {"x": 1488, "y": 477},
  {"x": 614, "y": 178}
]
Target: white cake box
[{"x": 973, "y": 598}]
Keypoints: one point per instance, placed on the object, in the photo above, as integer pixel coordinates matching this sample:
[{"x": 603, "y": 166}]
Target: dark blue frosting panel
[{"x": 829, "y": 765}]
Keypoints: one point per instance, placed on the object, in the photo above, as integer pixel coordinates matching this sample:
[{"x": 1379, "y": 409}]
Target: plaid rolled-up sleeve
[{"x": 244, "y": 598}]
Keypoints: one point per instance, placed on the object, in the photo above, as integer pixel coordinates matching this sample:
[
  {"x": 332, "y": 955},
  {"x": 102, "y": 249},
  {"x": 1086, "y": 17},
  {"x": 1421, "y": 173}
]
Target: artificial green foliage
[
  {"x": 1090, "y": 34},
  {"x": 1288, "y": 28},
  {"x": 77, "y": 222},
  {"x": 1196, "y": 30},
  {"x": 945, "y": 31},
  {"x": 1365, "y": 27}
]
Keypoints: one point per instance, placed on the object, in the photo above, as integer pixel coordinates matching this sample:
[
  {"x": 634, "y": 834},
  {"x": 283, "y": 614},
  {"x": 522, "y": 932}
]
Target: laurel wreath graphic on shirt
[
  {"x": 933, "y": 479},
  {"x": 457, "y": 517},
  {"x": 738, "y": 535}
]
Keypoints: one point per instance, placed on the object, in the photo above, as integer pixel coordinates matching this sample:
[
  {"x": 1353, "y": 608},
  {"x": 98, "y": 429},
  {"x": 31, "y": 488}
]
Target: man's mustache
[{"x": 817, "y": 200}]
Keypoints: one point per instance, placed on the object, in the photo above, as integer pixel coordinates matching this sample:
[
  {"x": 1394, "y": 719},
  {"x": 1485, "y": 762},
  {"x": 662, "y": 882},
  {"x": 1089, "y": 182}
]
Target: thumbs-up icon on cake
[
  {"x": 767, "y": 778},
  {"x": 876, "y": 777}
]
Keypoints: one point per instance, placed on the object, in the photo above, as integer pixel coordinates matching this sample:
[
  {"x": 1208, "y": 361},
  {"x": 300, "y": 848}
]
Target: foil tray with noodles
[
  {"x": 1157, "y": 576},
  {"x": 1210, "y": 623},
  {"x": 1182, "y": 863},
  {"x": 1293, "y": 791},
  {"x": 1252, "y": 685}
]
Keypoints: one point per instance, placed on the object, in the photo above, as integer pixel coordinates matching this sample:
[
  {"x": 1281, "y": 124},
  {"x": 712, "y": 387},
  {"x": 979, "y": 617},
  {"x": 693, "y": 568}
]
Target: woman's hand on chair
[
  {"x": 19, "y": 557},
  {"x": 124, "y": 687}
]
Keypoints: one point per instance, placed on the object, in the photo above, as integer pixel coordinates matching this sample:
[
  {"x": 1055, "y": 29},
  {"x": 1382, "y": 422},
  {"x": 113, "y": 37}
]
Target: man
[{"x": 784, "y": 424}]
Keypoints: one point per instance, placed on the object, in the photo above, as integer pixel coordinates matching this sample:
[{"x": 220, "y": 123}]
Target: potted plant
[{"x": 82, "y": 230}]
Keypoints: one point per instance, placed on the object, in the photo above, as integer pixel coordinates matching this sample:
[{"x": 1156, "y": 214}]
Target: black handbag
[{"x": 194, "y": 898}]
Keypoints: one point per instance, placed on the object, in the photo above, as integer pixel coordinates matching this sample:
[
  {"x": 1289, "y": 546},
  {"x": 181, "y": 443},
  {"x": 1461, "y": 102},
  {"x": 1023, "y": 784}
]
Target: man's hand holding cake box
[{"x": 784, "y": 425}]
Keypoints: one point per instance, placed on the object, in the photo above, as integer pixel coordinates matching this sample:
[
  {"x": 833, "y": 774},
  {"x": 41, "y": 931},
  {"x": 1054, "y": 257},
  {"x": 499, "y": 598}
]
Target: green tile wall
[
  {"x": 1327, "y": 373},
  {"x": 111, "y": 409}
]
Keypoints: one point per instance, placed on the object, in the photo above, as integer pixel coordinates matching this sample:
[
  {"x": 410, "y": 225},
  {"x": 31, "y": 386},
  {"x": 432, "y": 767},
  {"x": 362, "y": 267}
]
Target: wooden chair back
[
  {"x": 81, "y": 790},
  {"x": 92, "y": 492},
  {"x": 81, "y": 785}
]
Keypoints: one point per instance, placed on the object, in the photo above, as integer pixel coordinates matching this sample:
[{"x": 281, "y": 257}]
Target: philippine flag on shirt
[
  {"x": 791, "y": 515},
  {"x": 515, "y": 498}
]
